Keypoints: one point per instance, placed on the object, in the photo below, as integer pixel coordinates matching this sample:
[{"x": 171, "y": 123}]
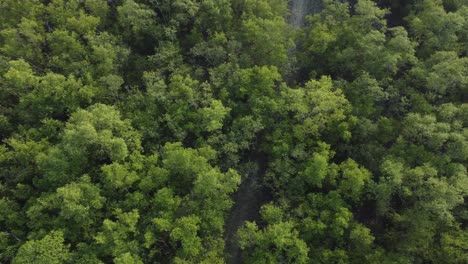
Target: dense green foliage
[{"x": 126, "y": 126}]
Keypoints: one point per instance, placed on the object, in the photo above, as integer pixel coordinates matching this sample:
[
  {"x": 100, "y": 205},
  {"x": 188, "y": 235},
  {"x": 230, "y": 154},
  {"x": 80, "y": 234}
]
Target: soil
[{"x": 248, "y": 199}]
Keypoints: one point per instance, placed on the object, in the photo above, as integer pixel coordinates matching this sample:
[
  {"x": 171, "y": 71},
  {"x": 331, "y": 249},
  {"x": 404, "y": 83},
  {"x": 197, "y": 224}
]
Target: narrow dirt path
[
  {"x": 299, "y": 9},
  {"x": 252, "y": 193},
  {"x": 250, "y": 196}
]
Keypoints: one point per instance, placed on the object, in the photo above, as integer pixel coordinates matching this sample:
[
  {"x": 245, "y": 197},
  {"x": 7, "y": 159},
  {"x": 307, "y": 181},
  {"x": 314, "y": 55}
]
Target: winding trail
[
  {"x": 252, "y": 193},
  {"x": 298, "y": 12},
  {"x": 250, "y": 196},
  {"x": 299, "y": 9}
]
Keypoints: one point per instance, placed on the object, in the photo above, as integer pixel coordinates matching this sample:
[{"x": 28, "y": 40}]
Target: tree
[
  {"x": 127, "y": 127},
  {"x": 117, "y": 238},
  {"x": 185, "y": 231},
  {"x": 91, "y": 138},
  {"x": 74, "y": 207},
  {"x": 278, "y": 242},
  {"x": 442, "y": 78},
  {"x": 354, "y": 44},
  {"x": 434, "y": 28},
  {"x": 49, "y": 249}
]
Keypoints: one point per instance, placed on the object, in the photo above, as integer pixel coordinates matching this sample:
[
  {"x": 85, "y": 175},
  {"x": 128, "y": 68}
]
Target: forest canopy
[{"x": 233, "y": 131}]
